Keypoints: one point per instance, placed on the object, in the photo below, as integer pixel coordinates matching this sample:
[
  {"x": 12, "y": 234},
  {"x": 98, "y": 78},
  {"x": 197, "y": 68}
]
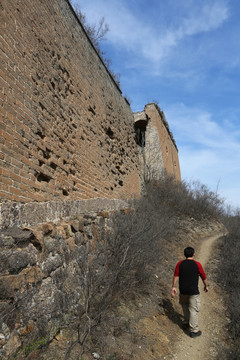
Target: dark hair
[{"x": 188, "y": 252}]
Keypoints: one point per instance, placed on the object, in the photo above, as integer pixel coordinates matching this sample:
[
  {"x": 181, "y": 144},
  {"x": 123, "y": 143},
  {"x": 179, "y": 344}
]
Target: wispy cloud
[
  {"x": 207, "y": 131},
  {"x": 153, "y": 41},
  {"x": 199, "y": 20},
  {"x": 209, "y": 149},
  {"x": 208, "y": 17}
]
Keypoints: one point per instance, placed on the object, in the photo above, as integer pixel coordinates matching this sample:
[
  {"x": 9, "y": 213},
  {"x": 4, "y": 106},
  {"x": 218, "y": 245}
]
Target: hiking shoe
[{"x": 195, "y": 334}]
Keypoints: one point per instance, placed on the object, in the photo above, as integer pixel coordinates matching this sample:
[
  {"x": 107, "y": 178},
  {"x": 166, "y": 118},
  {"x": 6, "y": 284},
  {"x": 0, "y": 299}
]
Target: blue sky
[{"x": 184, "y": 55}]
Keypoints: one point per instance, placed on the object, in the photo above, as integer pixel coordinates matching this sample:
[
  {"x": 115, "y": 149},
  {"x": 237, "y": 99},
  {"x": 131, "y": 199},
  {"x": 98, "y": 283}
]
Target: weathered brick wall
[
  {"x": 66, "y": 131},
  {"x": 159, "y": 153}
]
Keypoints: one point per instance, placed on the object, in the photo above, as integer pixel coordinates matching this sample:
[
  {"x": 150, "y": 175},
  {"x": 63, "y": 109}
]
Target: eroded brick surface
[
  {"x": 159, "y": 153},
  {"x": 66, "y": 131}
]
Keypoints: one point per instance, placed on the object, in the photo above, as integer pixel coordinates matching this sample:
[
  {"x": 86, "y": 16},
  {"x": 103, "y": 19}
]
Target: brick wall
[
  {"x": 159, "y": 153},
  {"x": 66, "y": 131}
]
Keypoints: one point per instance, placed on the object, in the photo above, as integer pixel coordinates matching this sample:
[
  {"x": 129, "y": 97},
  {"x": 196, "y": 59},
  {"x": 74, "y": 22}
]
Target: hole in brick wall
[
  {"x": 72, "y": 172},
  {"x": 73, "y": 229},
  {"x": 95, "y": 189},
  {"x": 46, "y": 153},
  {"x": 109, "y": 133},
  {"x": 120, "y": 182},
  {"x": 40, "y": 134},
  {"x": 65, "y": 192},
  {"x": 41, "y": 106},
  {"x": 94, "y": 132},
  {"x": 53, "y": 165},
  {"x": 53, "y": 85},
  {"x": 42, "y": 177},
  {"x": 111, "y": 188},
  {"x": 64, "y": 162},
  {"x": 121, "y": 171},
  {"x": 91, "y": 110},
  {"x": 40, "y": 162}
]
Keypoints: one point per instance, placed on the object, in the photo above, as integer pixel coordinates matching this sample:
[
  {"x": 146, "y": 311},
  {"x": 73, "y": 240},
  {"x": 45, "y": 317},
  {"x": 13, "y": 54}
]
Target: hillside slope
[{"x": 146, "y": 324}]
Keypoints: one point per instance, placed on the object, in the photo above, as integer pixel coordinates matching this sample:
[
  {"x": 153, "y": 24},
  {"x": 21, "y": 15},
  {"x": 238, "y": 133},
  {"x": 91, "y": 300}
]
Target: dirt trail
[{"x": 212, "y": 317}]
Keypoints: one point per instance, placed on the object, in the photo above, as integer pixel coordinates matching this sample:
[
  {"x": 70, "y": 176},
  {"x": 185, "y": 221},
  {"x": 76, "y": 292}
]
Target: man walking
[{"x": 188, "y": 272}]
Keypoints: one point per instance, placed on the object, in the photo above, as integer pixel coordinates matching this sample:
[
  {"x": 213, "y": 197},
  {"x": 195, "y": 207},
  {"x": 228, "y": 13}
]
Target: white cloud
[
  {"x": 200, "y": 125},
  {"x": 149, "y": 40},
  {"x": 209, "y": 150},
  {"x": 209, "y": 17}
]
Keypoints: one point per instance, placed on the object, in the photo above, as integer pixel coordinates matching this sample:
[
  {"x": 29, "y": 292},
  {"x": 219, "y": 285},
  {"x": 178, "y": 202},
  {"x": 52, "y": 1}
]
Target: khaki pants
[{"x": 191, "y": 306}]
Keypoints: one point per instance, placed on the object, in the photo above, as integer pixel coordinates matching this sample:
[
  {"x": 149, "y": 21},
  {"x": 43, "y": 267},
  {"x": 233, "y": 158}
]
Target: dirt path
[{"x": 212, "y": 318}]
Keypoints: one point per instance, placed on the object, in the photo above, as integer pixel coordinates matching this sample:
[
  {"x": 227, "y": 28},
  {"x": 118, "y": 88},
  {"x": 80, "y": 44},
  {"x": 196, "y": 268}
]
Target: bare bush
[
  {"x": 121, "y": 259},
  {"x": 96, "y": 34},
  {"x": 229, "y": 276},
  {"x": 190, "y": 199}
]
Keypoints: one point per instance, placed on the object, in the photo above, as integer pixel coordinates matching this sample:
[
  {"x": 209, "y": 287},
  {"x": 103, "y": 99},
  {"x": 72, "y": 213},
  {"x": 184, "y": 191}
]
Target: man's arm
[
  {"x": 203, "y": 276},
  {"x": 205, "y": 285},
  {"x": 174, "y": 290}
]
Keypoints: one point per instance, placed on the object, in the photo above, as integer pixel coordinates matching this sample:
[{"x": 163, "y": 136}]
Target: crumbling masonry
[{"x": 71, "y": 152}]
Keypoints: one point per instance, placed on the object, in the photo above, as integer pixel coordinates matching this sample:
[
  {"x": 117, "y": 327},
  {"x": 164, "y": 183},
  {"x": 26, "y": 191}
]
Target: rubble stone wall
[{"x": 43, "y": 280}]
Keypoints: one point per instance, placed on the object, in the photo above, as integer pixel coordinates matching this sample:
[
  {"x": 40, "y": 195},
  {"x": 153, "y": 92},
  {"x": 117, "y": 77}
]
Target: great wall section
[{"x": 72, "y": 152}]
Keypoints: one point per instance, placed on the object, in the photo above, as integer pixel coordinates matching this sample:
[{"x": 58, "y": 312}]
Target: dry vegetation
[
  {"x": 126, "y": 270},
  {"x": 96, "y": 34},
  {"x": 120, "y": 265},
  {"x": 229, "y": 278}
]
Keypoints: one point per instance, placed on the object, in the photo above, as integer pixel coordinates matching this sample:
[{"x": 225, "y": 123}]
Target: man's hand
[
  {"x": 205, "y": 288},
  {"x": 174, "y": 291}
]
